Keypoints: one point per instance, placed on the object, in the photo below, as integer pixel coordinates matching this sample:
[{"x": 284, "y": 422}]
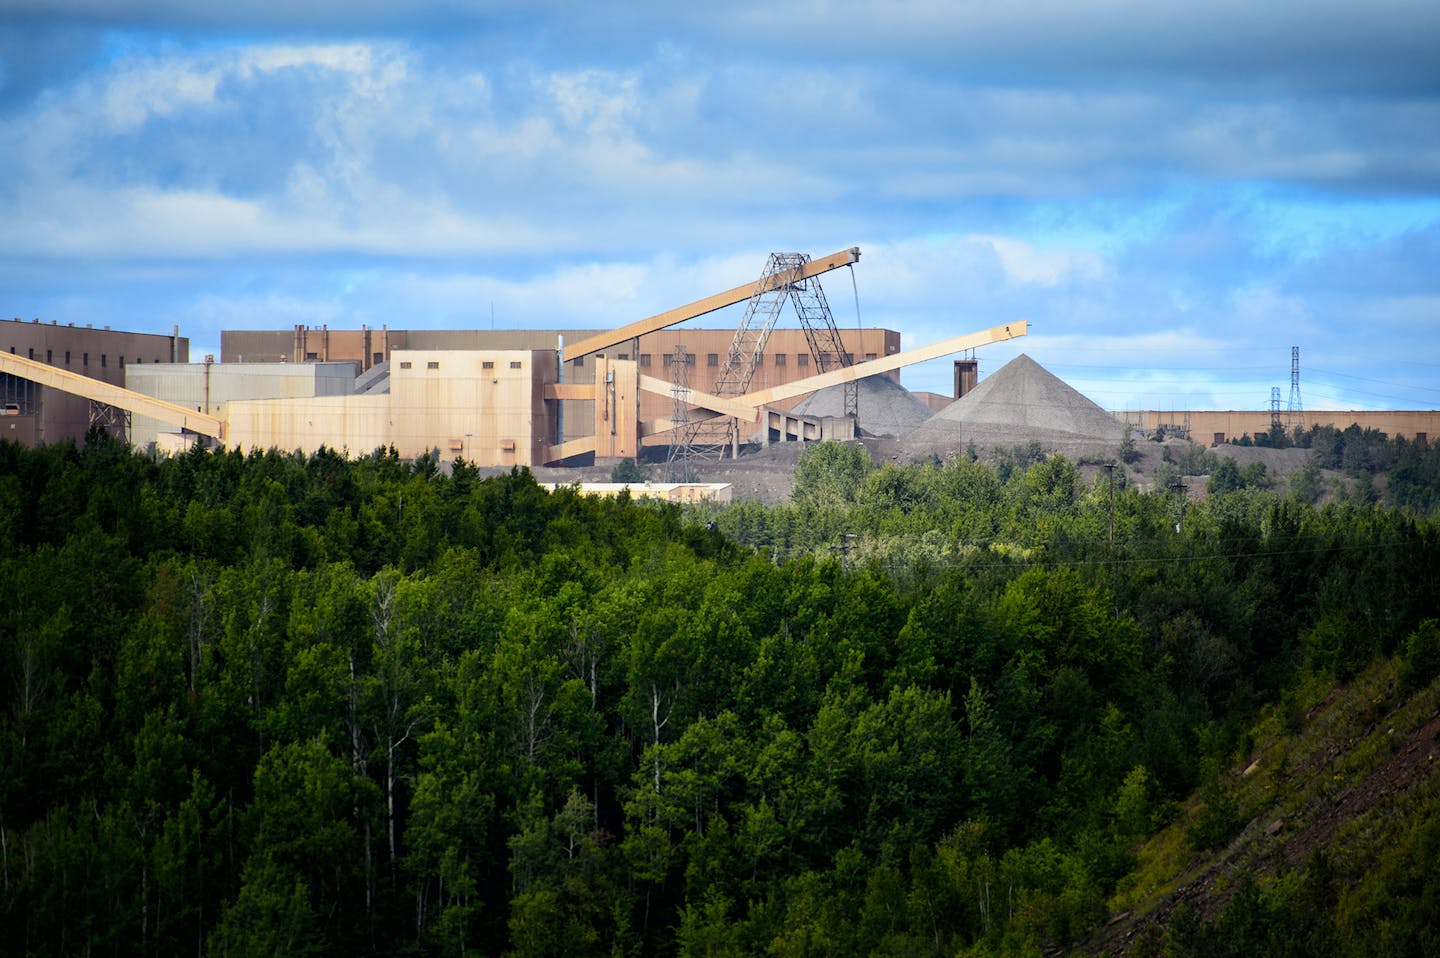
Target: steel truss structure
[
  {"x": 677, "y": 463},
  {"x": 784, "y": 280}
]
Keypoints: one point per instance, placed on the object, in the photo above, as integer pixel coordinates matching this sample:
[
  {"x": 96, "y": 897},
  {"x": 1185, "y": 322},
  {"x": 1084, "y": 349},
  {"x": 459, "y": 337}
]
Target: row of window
[
  {"x": 84, "y": 358},
  {"x": 484, "y": 364},
  {"x": 713, "y": 359}
]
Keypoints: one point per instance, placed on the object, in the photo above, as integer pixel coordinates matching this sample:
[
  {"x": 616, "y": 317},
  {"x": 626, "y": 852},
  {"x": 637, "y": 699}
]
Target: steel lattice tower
[
  {"x": 677, "y": 464},
  {"x": 1296, "y": 414},
  {"x": 779, "y": 283},
  {"x": 1274, "y": 407},
  {"x": 823, "y": 336}
]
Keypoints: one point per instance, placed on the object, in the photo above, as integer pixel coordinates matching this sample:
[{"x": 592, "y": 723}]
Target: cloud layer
[{"x": 1173, "y": 195}]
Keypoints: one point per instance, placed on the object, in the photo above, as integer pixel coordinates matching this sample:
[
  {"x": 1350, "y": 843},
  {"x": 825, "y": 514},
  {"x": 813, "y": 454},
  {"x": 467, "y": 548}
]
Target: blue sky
[{"x": 1173, "y": 194}]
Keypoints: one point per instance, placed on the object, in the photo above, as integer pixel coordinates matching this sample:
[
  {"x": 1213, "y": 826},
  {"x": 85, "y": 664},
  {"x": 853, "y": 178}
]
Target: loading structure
[
  {"x": 501, "y": 407},
  {"x": 784, "y": 279}
]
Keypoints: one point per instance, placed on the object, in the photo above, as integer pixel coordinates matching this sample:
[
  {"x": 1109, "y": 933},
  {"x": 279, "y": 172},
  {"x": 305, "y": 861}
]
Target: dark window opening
[
  {"x": 645, "y": 359},
  {"x": 712, "y": 359},
  {"x": 803, "y": 359},
  {"x": 433, "y": 364},
  {"x": 779, "y": 359},
  {"x": 17, "y": 395}
]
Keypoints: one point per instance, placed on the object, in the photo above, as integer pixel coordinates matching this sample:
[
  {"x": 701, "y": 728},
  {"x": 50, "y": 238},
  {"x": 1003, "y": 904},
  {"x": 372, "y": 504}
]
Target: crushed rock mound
[
  {"x": 884, "y": 407},
  {"x": 1020, "y": 401}
]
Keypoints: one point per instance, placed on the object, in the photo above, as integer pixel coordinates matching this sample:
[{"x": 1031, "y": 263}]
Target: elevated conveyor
[{"x": 132, "y": 402}]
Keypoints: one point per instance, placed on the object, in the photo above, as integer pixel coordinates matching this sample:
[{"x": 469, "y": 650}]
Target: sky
[{"x": 1173, "y": 194}]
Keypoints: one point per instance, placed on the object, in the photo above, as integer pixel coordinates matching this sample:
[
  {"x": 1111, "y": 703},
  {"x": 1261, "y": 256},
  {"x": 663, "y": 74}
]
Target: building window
[
  {"x": 712, "y": 359},
  {"x": 433, "y": 364},
  {"x": 579, "y": 361},
  {"x": 869, "y": 356},
  {"x": 487, "y": 364},
  {"x": 515, "y": 364},
  {"x": 624, "y": 355},
  {"x": 122, "y": 362},
  {"x": 405, "y": 364},
  {"x": 377, "y": 358},
  {"x": 802, "y": 359},
  {"x": 849, "y": 359},
  {"x": 67, "y": 357},
  {"x": 49, "y": 357},
  {"x": 779, "y": 359},
  {"x": 645, "y": 360},
  {"x": 85, "y": 360},
  {"x": 311, "y": 357},
  {"x": 17, "y": 395},
  {"x": 102, "y": 360}
]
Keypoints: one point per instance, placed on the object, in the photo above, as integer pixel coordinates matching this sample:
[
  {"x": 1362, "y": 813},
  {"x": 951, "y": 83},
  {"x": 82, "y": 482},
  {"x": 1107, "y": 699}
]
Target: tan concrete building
[
  {"x": 209, "y": 388},
  {"x": 488, "y": 406},
  {"x": 32, "y": 414},
  {"x": 1216, "y": 427},
  {"x": 787, "y": 354}
]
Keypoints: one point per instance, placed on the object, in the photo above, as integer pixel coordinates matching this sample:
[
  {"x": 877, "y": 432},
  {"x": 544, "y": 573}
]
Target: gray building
[{"x": 209, "y": 387}]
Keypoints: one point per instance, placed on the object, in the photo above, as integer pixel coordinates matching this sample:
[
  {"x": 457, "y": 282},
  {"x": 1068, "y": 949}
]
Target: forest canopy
[{"x": 311, "y": 705}]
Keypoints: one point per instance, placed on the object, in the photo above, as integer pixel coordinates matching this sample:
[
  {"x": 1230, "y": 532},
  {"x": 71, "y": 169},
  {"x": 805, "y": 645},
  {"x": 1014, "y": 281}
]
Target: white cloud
[{"x": 1029, "y": 265}]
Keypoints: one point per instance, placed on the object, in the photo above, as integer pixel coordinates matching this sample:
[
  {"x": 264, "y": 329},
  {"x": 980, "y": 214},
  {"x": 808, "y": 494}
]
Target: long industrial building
[
  {"x": 787, "y": 355},
  {"x": 516, "y": 397}
]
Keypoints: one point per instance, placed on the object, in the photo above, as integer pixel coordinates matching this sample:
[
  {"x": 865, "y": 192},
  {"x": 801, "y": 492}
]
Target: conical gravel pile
[
  {"x": 1019, "y": 402},
  {"x": 884, "y": 407}
]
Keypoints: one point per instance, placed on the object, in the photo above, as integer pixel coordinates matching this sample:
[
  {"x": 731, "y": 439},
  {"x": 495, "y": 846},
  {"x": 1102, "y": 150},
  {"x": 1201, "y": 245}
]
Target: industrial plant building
[
  {"x": 532, "y": 397},
  {"x": 31, "y": 413}
]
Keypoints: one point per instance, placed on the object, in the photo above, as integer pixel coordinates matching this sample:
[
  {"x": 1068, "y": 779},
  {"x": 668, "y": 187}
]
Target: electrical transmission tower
[
  {"x": 1274, "y": 408},
  {"x": 1296, "y": 415}
]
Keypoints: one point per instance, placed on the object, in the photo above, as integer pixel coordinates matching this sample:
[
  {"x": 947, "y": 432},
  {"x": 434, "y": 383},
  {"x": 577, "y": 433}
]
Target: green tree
[{"x": 830, "y": 474}]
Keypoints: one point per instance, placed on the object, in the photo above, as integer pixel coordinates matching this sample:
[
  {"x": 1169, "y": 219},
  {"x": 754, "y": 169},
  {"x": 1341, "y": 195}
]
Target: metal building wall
[
  {"x": 487, "y": 406},
  {"x": 211, "y": 387}
]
